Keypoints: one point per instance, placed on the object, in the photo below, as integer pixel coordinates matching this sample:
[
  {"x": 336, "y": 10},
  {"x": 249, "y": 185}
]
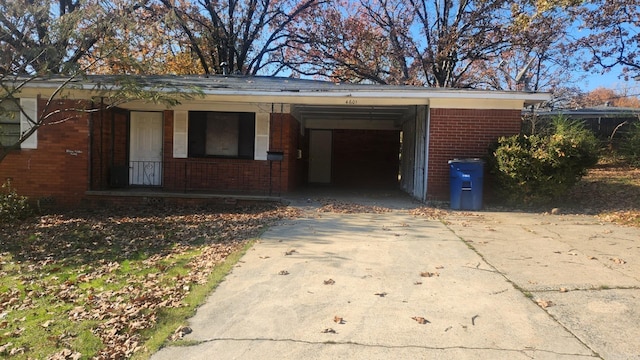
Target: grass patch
[{"x": 171, "y": 319}]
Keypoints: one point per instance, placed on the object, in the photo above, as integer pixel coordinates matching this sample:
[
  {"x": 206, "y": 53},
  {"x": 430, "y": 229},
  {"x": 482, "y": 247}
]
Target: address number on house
[{"x": 351, "y": 101}]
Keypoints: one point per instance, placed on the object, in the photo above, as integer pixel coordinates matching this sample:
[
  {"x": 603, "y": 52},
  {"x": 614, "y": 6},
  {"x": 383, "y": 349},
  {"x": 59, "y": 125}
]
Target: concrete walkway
[{"x": 394, "y": 285}]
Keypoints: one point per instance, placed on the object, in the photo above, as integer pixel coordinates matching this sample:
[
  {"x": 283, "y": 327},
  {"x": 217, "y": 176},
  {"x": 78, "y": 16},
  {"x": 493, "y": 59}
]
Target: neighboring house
[
  {"x": 607, "y": 122},
  {"x": 255, "y": 136}
]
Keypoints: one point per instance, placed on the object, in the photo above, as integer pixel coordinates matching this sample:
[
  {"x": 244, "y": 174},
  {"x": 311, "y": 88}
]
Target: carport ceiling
[{"x": 350, "y": 112}]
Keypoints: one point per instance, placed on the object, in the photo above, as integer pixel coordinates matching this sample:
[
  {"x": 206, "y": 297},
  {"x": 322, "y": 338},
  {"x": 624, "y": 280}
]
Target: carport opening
[
  {"x": 353, "y": 146},
  {"x": 353, "y": 158}
]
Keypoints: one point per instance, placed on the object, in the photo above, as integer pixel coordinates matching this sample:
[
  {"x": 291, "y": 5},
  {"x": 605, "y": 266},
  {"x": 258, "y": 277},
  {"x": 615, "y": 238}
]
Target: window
[
  {"x": 221, "y": 134},
  {"x": 9, "y": 123}
]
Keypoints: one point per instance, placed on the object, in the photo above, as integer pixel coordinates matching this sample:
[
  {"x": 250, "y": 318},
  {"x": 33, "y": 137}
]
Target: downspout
[
  {"x": 113, "y": 141},
  {"x": 89, "y": 151},
  {"x": 101, "y": 167},
  {"x": 269, "y": 149}
]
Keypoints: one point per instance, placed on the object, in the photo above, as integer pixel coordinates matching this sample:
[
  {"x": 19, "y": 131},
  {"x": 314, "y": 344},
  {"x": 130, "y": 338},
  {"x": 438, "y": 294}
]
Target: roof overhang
[{"x": 309, "y": 99}]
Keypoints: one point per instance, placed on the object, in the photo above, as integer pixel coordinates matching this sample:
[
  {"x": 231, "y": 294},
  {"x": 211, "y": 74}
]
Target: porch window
[
  {"x": 9, "y": 123},
  {"x": 221, "y": 134}
]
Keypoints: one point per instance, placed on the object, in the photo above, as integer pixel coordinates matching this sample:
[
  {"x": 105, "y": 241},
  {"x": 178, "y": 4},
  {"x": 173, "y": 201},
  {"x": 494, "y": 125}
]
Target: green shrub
[
  {"x": 537, "y": 168},
  {"x": 13, "y": 206},
  {"x": 630, "y": 146}
]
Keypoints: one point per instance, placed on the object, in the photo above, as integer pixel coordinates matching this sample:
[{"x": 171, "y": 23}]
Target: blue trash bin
[{"x": 466, "y": 177}]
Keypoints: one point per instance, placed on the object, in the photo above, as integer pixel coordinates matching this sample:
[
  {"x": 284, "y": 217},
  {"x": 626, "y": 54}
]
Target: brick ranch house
[{"x": 253, "y": 137}]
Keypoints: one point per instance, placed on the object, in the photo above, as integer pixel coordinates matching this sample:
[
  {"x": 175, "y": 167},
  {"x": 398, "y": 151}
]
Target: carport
[{"x": 375, "y": 136}]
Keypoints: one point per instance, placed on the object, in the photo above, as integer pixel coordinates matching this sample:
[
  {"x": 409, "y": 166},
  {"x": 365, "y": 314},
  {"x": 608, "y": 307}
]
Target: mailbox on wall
[{"x": 275, "y": 155}]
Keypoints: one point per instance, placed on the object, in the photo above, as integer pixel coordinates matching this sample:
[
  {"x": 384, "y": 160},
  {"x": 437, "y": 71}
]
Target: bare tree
[
  {"x": 49, "y": 37},
  {"x": 238, "y": 36},
  {"x": 420, "y": 42}
]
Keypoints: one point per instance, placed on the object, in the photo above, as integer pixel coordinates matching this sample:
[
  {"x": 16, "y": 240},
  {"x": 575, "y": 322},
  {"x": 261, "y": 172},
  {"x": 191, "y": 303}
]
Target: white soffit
[{"x": 310, "y": 99}]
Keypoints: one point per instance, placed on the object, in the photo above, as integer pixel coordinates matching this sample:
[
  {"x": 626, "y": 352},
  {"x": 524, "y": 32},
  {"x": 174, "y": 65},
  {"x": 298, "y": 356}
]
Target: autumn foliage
[
  {"x": 608, "y": 97},
  {"x": 492, "y": 44},
  {"x": 539, "y": 168}
]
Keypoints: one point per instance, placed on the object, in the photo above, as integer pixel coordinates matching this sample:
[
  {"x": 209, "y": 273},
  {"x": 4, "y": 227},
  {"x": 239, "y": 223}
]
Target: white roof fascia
[{"x": 394, "y": 94}]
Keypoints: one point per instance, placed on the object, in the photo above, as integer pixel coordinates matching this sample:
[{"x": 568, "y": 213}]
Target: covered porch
[{"x": 329, "y": 147}]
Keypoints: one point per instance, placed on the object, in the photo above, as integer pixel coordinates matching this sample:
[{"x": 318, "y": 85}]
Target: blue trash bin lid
[{"x": 470, "y": 160}]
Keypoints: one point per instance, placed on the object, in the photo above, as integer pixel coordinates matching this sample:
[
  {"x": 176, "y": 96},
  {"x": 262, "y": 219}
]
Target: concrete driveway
[{"x": 393, "y": 285}]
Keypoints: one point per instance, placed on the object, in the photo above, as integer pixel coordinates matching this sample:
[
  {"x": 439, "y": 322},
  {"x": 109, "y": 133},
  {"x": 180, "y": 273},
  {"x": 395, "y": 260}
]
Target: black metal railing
[{"x": 145, "y": 173}]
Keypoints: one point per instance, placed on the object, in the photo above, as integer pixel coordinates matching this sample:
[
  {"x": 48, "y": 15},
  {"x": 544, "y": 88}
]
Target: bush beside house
[
  {"x": 13, "y": 206},
  {"x": 537, "y": 168},
  {"x": 630, "y": 146}
]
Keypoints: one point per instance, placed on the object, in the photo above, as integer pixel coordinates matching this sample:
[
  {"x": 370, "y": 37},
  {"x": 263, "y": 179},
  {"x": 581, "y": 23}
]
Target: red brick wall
[
  {"x": 57, "y": 171},
  {"x": 285, "y": 137},
  {"x": 366, "y": 157},
  {"x": 463, "y": 133}
]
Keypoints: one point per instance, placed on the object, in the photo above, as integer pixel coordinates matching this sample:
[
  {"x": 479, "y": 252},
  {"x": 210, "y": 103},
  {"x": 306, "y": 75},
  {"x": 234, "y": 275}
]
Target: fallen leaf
[
  {"x": 592, "y": 258},
  {"x": 544, "y": 303},
  {"x": 563, "y": 290},
  {"x": 290, "y": 252},
  {"x": 283, "y": 272},
  {"x": 329, "y": 282},
  {"x": 5, "y": 347},
  {"x": 420, "y": 320},
  {"x": 429, "y": 274},
  {"x": 417, "y": 283},
  {"x": 439, "y": 267},
  {"x": 46, "y": 324},
  {"x": 618, "y": 261},
  {"x": 337, "y": 319},
  {"x": 66, "y": 354},
  {"x": 329, "y": 331},
  {"x": 180, "y": 332},
  {"x": 16, "y": 351},
  {"x": 382, "y": 294}
]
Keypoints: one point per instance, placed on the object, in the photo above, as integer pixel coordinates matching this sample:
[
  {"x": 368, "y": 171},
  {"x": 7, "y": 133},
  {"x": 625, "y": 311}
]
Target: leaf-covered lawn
[
  {"x": 89, "y": 284},
  {"x": 611, "y": 191}
]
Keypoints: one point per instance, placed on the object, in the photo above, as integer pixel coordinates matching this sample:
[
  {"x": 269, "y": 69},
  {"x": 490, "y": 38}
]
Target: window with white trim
[
  {"x": 9, "y": 123},
  {"x": 221, "y": 134}
]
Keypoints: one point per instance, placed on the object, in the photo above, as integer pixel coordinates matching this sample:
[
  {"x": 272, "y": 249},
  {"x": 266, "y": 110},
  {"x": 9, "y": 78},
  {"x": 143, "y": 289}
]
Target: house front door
[
  {"x": 320, "y": 145},
  {"x": 145, "y": 148}
]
